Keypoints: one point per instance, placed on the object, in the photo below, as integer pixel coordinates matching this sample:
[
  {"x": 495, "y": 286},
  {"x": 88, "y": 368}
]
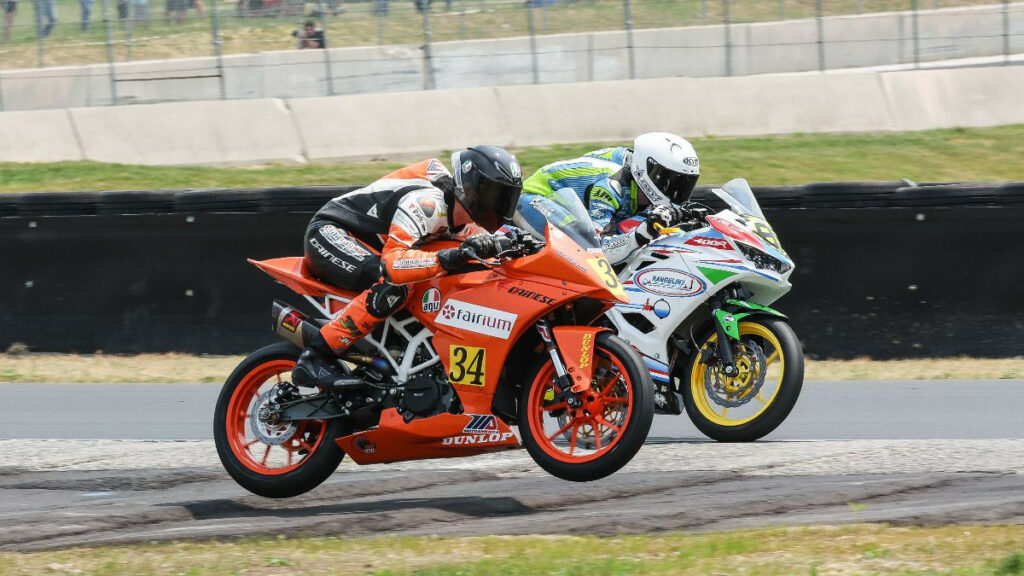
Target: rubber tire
[
  {"x": 636, "y": 431},
  {"x": 792, "y": 383},
  {"x": 317, "y": 467}
]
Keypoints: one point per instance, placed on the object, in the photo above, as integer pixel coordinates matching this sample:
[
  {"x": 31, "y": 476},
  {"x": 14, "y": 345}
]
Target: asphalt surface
[
  {"x": 916, "y": 409},
  {"x": 900, "y": 452}
]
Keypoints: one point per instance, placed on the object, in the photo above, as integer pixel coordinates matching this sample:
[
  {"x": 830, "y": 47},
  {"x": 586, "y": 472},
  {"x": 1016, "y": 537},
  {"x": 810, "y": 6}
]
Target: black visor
[
  {"x": 675, "y": 185},
  {"x": 496, "y": 204}
]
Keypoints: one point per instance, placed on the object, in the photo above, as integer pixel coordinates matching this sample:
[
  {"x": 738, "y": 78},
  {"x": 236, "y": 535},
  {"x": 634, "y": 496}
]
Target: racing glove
[
  {"x": 480, "y": 246},
  {"x": 656, "y": 216}
]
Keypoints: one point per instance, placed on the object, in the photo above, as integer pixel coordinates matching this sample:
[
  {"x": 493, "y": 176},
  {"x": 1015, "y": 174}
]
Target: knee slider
[{"x": 385, "y": 299}]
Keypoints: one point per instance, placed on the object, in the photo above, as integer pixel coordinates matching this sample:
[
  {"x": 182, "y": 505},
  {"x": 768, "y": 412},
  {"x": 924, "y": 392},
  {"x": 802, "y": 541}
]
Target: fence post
[
  {"x": 217, "y": 51},
  {"x": 533, "y": 43},
  {"x": 703, "y": 12},
  {"x": 462, "y": 20},
  {"x": 379, "y": 11},
  {"x": 820, "y": 10},
  {"x": 628, "y": 22},
  {"x": 728, "y": 38},
  {"x": 1006, "y": 32},
  {"x": 327, "y": 54},
  {"x": 590, "y": 57},
  {"x": 1, "y": 88},
  {"x": 782, "y": 9},
  {"x": 428, "y": 64},
  {"x": 917, "y": 43},
  {"x": 110, "y": 51},
  {"x": 860, "y": 6}
]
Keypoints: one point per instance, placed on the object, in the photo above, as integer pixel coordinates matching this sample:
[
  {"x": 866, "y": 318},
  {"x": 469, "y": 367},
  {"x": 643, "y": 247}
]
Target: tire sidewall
[
  {"x": 316, "y": 468},
  {"x": 639, "y": 424},
  {"x": 785, "y": 400}
]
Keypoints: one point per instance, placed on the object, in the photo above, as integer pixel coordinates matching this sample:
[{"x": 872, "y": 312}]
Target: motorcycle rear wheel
[
  {"x": 768, "y": 351},
  {"x": 272, "y": 461},
  {"x": 601, "y": 436}
]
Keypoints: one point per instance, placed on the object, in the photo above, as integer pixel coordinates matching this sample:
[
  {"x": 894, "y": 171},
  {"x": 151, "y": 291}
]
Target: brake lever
[{"x": 472, "y": 254}]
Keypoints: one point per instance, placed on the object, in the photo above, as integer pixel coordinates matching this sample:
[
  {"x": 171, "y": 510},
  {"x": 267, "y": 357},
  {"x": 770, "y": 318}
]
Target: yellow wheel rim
[{"x": 739, "y": 386}]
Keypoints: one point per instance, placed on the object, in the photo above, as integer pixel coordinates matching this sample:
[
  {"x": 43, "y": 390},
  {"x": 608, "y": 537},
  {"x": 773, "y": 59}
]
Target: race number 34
[{"x": 468, "y": 365}]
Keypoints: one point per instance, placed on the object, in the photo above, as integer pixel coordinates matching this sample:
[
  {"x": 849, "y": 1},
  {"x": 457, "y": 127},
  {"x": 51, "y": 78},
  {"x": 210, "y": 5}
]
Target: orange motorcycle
[{"x": 507, "y": 343}]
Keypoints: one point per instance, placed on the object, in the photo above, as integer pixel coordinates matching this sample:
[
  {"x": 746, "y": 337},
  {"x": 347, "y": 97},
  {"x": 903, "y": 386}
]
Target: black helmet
[{"x": 488, "y": 181}]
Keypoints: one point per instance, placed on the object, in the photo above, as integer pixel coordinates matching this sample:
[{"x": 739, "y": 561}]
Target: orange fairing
[
  {"x": 293, "y": 273},
  {"x": 563, "y": 258},
  {"x": 441, "y": 436},
  {"x": 576, "y": 343}
]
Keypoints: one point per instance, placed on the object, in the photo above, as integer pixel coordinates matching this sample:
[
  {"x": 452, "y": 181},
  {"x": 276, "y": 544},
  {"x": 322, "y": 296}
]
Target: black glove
[
  {"x": 656, "y": 216},
  {"x": 481, "y": 246}
]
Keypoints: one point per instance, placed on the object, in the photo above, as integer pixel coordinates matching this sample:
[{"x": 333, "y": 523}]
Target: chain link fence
[{"x": 130, "y": 51}]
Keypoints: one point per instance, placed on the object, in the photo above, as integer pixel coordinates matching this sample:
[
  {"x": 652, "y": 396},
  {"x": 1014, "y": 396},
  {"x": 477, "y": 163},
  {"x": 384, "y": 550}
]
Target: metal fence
[{"x": 54, "y": 38}]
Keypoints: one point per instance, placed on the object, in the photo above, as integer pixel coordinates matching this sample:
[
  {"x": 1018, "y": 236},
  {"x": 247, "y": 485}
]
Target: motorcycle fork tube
[
  {"x": 562, "y": 380},
  {"x": 724, "y": 347}
]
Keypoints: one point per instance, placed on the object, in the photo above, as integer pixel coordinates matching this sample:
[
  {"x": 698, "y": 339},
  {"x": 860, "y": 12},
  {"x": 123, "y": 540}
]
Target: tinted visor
[
  {"x": 495, "y": 203},
  {"x": 675, "y": 185}
]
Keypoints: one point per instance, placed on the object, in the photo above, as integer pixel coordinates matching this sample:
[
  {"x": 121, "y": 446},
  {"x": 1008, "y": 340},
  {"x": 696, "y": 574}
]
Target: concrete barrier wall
[
  {"x": 701, "y": 51},
  {"x": 409, "y": 124}
]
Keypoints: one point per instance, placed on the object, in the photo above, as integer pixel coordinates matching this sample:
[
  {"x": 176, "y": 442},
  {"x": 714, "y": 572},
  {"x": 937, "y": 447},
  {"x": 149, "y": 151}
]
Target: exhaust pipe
[{"x": 293, "y": 325}]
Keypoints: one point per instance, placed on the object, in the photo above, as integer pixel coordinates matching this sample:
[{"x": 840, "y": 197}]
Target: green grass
[
  {"x": 982, "y": 154},
  {"x": 357, "y": 25},
  {"x": 861, "y": 549}
]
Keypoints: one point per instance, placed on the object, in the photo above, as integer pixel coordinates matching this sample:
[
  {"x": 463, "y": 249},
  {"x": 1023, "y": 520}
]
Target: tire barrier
[{"x": 883, "y": 269}]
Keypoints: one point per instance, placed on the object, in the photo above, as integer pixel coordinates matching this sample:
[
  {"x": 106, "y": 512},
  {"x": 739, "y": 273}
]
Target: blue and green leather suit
[{"x": 596, "y": 179}]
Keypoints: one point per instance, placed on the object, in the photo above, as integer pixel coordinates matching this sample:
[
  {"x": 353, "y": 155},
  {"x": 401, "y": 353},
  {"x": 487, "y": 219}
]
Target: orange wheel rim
[
  {"x": 594, "y": 429},
  {"x": 256, "y": 455}
]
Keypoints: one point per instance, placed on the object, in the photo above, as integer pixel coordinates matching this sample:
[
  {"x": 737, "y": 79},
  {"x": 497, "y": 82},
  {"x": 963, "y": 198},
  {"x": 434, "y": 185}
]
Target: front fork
[{"x": 562, "y": 380}]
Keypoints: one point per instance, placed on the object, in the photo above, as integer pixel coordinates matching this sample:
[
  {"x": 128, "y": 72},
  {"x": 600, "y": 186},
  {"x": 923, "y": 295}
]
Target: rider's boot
[{"x": 318, "y": 364}]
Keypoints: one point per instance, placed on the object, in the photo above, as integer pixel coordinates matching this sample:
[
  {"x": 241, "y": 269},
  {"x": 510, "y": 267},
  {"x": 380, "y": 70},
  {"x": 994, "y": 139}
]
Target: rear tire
[
  {"x": 761, "y": 409},
  {"x": 304, "y": 454},
  {"x": 606, "y": 432}
]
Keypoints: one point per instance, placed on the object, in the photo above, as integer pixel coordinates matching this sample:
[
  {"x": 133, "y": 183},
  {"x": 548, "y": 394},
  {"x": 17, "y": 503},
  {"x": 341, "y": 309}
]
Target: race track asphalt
[{"x": 921, "y": 452}]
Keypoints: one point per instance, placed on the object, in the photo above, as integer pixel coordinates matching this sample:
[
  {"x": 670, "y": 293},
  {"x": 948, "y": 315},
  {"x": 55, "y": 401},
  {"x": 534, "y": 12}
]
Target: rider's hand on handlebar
[
  {"x": 657, "y": 217},
  {"x": 479, "y": 247}
]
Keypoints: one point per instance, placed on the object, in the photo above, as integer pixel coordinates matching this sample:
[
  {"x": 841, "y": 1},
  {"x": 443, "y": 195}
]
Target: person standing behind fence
[
  {"x": 310, "y": 36},
  {"x": 45, "y": 9},
  {"x": 86, "y": 13},
  {"x": 10, "y": 11}
]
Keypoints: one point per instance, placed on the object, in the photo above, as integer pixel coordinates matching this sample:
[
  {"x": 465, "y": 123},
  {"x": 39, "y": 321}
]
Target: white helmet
[{"x": 665, "y": 167}]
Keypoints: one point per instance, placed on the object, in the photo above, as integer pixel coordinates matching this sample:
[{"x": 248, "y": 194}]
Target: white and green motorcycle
[{"x": 691, "y": 291}]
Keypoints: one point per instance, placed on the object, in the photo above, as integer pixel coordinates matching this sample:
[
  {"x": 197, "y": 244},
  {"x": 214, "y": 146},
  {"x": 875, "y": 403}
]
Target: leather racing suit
[{"x": 369, "y": 240}]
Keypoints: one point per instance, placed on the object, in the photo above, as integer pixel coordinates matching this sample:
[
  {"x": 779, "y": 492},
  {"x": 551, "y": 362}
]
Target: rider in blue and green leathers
[{"x": 614, "y": 184}]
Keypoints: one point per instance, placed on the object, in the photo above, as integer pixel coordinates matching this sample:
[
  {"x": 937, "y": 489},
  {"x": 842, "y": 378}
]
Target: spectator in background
[
  {"x": 86, "y": 13},
  {"x": 175, "y": 10},
  {"x": 10, "y": 11},
  {"x": 140, "y": 13},
  {"x": 310, "y": 36},
  {"x": 45, "y": 9}
]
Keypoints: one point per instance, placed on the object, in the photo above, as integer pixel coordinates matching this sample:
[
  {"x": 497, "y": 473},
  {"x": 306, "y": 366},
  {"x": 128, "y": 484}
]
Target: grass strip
[
  {"x": 820, "y": 550},
  {"x": 156, "y": 368},
  {"x": 975, "y": 154}
]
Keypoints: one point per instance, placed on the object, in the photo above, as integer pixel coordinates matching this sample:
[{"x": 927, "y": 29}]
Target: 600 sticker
[{"x": 468, "y": 365}]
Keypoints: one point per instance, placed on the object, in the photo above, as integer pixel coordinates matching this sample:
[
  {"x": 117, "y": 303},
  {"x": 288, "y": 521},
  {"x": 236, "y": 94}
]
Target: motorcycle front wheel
[
  {"x": 746, "y": 407},
  {"x": 605, "y": 432},
  {"x": 272, "y": 460}
]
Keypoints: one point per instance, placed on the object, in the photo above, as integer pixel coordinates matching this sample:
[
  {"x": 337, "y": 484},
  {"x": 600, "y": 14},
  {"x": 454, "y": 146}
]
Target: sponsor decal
[
  {"x": 586, "y": 349},
  {"x": 492, "y": 438},
  {"x": 660, "y": 308},
  {"x": 614, "y": 242},
  {"x": 531, "y": 295},
  {"x": 431, "y": 301},
  {"x": 373, "y": 212},
  {"x": 468, "y": 365},
  {"x": 481, "y": 423},
  {"x": 718, "y": 243},
  {"x": 467, "y": 166},
  {"x": 435, "y": 168},
  {"x": 691, "y": 161},
  {"x": 542, "y": 206},
  {"x": 343, "y": 242},
  {"x": 365, "y": 445},
  {"x": 428, "y": 206},
  {"x": 517, "y": 172},
  {"x": 479, "y": 319},
  {"x": 668, "y": 282},
  {"x": 413, "y": 263},
  {"x": 392, "y": 300},
  {"x": 291, "y": 321},
  {"x": 347, "y": 266}
]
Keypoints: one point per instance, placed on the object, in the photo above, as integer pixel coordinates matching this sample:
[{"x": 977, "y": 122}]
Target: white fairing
[{"x": 670, "y": 278}]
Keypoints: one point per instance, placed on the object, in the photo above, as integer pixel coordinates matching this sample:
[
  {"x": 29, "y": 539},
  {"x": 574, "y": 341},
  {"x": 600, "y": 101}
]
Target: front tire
[
  {"x": 605, "y": 433},
  {"x": 272, "y": 461},
  {"x": 754, "y": 403}
]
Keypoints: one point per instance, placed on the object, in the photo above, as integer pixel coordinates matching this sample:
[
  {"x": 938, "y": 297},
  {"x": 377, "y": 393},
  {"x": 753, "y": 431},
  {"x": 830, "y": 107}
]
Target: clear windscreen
[
  {"x": 740, "y": 198},
  {"x": 563, "y": 210}
]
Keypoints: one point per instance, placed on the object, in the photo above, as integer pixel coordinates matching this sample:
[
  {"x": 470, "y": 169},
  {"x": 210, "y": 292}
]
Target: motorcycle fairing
[{"x": 576, "y": 343}]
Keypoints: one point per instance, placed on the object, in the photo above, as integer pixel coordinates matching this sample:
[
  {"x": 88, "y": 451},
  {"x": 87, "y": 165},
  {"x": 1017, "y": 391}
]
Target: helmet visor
[
  {"x": 676, "y": 185},
  {"x": 495, "y": 203}
]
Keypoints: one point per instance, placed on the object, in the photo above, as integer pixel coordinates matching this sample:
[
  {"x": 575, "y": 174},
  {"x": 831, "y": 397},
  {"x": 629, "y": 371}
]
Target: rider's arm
[
  {"x": 605, "y": 200},
  {"x": 420, "y": 214}
]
